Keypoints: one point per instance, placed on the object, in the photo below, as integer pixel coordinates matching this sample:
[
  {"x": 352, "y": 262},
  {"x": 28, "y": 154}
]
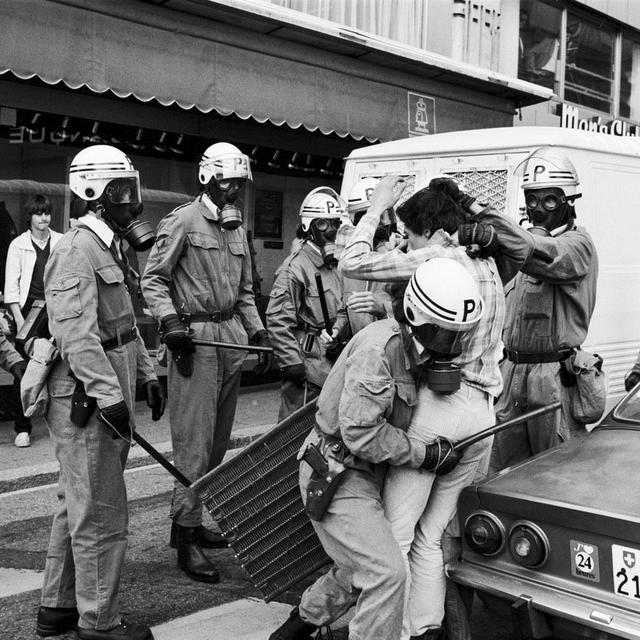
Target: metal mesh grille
[
  {"x": 255, "y": 499},
  {"x": 488, "y": 185}
]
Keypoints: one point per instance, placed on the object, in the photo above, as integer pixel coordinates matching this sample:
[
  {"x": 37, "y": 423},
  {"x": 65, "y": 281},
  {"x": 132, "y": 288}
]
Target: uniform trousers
[
  {"x": 528, "y": 387},
  {"x": 368, "y": 568},
  {"x": 202, "y": 408},
  {"x": 89, "y": 532},
  {"x": 419, "y": 504}
]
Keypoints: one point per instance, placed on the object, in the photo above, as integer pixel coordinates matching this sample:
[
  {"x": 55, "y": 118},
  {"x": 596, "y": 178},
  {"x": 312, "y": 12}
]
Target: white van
[{"x": 489, "y": 162}]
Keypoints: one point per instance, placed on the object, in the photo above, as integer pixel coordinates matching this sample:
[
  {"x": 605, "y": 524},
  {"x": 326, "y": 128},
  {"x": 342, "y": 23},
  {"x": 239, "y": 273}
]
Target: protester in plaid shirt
[{"x": 420, "y": 504}]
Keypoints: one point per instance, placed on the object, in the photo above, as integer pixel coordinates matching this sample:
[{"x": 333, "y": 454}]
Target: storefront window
[
  {"x": 630, "y": 80},
  {"x": 539, "y": 43},
  {"x": 589, "y": 64}
]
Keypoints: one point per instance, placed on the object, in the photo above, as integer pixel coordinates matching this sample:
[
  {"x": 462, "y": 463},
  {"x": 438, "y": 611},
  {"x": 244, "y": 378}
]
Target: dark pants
[{"x": 21, "y": 422}]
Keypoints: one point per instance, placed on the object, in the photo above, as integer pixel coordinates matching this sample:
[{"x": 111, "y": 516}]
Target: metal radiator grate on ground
[{"x": 255, "y": 499}]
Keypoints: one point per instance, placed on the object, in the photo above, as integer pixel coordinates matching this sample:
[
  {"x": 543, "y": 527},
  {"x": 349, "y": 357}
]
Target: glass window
[
  {"x": 630, "y": 80},
  {"x": 539, "y": 43},
  {"x": 588, "y": 74}
]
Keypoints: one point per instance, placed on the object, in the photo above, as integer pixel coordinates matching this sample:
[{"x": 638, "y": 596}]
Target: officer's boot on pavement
[
  {"x": 206, "y": 538},
  {"x": 124, "y": 631},
  {"x": 436, "y": 633},
  {"x": 191, "y": 559},
  {"x": 295, "y": 628},
  {"x": 54, "y": 621}
]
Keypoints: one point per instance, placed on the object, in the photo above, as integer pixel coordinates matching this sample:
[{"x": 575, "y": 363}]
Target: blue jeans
[{"x": 419, "y": 504}]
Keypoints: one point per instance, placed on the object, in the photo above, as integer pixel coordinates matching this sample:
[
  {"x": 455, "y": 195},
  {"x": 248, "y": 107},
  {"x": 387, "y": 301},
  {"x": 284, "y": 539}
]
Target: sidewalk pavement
[{"x": 257, "y": 412}]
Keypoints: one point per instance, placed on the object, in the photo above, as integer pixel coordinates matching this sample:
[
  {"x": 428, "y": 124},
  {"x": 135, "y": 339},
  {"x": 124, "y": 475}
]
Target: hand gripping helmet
[
  {"x": 546, "y": 168},
  {"x": 223, "y": 161},
  {"x": 95, "y": 167},
  {"x": 322, "y": 202},
  {"x": 442, "y": 303}
]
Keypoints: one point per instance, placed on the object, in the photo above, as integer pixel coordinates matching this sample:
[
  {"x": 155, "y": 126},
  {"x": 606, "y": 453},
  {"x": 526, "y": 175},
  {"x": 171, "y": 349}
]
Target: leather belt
[
  {"x": 534, "y": 358},
  {"x": 125, "y": 337},
  {"x": 208, "y": 316}
]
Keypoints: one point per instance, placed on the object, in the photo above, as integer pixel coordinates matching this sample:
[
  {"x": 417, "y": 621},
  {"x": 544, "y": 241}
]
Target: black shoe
[
  {"x": 295, "y": 628},
  {"x": 124, "y": 631},
  {"x": 54, "y": 621},
  {"x": 191, "y": 559},
  {"x": 207, "y": 539},
  {"x": 431, "y": 634}
]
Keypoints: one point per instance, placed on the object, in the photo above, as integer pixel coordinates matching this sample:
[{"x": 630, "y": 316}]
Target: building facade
[{"x": 296, "y": 84}]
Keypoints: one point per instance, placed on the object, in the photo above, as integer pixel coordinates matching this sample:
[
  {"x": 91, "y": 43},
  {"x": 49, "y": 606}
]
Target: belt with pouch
[
  {"x": 535, "y": 358},
  {"x": 207, "y": 316},
  {"x": 123, "y": 337}
]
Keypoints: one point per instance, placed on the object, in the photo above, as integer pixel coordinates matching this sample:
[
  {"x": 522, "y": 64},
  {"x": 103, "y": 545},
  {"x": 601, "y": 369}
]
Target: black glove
[
  {"x": 156, "y": 399},
  {"x": 116, "y": 416},
  {"x": 176, "y": 336},
  {"x": 294, "y": 373},
  {"x": 265, "y": 360},
  {"x": 480, "y": 239},
  {"x": 17, "y": 370},
  {"x": 631, "y": 380},
  {"x": 450, "y": 187},
  {"x": 441, "y": 457}
]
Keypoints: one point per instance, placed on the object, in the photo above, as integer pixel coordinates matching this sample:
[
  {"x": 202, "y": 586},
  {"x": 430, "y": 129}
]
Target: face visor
[{"x": 123, "y": 191}]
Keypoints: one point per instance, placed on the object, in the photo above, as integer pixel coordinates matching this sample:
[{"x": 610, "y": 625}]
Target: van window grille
[{"x": 486, "y": 185}]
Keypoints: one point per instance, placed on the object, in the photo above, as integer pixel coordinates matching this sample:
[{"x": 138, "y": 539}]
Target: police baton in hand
[
  {"x": 501, "y": 426},
  {"x": 323, "y": 304},
  {"x": 232, "y": 345}
]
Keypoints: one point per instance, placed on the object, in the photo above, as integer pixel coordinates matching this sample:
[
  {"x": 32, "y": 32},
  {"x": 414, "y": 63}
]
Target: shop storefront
[{"x": 164, "y": 79}]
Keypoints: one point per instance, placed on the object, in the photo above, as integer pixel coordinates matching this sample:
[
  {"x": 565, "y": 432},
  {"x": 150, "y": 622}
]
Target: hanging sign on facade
[
  {"x": 570, "y": 119},
  {"x": 421, "y": 114}
]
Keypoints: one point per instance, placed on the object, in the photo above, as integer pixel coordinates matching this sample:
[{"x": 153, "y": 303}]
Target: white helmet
[
  {"x": 443, "y": 292},
  {"x": 223, "y": 161},
  {"x": 546, "y": 168},
  {"x": 322, "y": 202},
  {"x": 95, "y": 167},
  {"x": 360, "y": 196}
]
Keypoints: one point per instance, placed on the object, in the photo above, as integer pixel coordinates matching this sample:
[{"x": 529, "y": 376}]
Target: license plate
[{"x": 626, "y": 571}]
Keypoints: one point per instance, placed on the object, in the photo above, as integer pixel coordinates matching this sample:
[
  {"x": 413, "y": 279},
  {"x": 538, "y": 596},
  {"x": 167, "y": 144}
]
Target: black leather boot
[
  {"x": 207, "y": 539},
  {"x": 54, "y": 621},
  {"x": 191, "y": 559},
  {"x": 431, "y": 634},
  {"x": 124, "y": 631},
  {"x": 295, "y": 628}
]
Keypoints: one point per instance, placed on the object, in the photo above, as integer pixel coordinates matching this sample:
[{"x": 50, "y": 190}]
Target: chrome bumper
[{"x": 534, "y": 605}]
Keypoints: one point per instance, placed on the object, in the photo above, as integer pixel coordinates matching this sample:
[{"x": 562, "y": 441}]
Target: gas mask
[
  {"x": 548, "y": 209},
  {"x": 121, "y": 202},
  {"x": 442, "y": 347},
  {"x": 322, "y": 233},
  {"x": 227, "y": 195}
]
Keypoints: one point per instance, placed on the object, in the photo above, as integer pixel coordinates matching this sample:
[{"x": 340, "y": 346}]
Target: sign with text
[{"x": 421, "y": 114}]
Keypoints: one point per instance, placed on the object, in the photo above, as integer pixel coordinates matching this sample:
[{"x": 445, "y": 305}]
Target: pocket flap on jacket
[
  {"x": 202, "y": 240},
  {"x": 110, "y": 275}
]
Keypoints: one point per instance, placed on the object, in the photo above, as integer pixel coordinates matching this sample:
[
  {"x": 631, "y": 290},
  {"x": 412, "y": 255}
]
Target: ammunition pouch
[
  {"x": 326, "y": 478},
  {"x": 82, "y": 405}
]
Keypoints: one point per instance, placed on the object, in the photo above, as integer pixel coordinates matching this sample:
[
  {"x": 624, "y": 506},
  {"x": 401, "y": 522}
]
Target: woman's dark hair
[
  {"x": 429, "y": 210},
  {"x": 35, "y": 204}
]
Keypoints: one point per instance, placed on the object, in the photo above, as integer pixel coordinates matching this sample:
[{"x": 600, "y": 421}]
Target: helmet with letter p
[
  {"x": 442, "y": 304},
  {"x": 550, "y": 183},
  {"x": 224, "y": 171},
  {"x": 321, "y": 203}
]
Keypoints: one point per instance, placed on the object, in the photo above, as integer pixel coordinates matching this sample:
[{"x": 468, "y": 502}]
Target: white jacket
[{"x": 21, "y": 258}]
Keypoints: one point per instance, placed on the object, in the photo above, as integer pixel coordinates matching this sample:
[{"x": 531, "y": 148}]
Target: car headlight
[
  {"x": 484, "y": 533},
  {"x": 528, "y": 544}
]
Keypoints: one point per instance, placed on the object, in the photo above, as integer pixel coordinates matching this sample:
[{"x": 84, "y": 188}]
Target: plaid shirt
[{"x": 483, "y": 345}]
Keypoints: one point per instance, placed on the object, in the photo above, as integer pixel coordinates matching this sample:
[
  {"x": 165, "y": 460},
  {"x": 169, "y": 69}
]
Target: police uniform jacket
[
  {"x": 197, "y": 267},
  {"x": 294, "y": 313},
  {"x": 89, "y": 304}
]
